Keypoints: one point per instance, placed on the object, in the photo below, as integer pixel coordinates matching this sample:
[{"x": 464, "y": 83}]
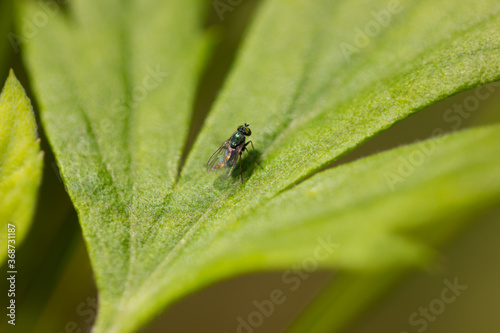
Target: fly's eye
[{"x": 248, "y": 131}]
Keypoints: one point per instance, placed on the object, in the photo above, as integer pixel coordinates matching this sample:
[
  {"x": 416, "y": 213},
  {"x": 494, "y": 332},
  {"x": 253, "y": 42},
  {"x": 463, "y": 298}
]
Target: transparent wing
[
  {"x": 232, "y": 159},
  {"x": 217, "y": 160},
  {"x": 224, "y": 159}
]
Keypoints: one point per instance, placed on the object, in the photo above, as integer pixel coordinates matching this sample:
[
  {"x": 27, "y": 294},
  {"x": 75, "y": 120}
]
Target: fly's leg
[{"x": 254, "y": 160}]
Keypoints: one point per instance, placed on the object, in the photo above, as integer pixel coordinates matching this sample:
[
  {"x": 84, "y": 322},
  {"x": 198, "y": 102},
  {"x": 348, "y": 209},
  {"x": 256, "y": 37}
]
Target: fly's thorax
[{"x": 237, "y": 139}]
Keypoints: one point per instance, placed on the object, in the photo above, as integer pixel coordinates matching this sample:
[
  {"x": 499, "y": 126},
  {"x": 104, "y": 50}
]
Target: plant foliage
[{"x": 116, "y": 81}]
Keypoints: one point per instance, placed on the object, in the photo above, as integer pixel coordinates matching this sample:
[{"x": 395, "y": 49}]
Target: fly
[{"x": 226, "y": 157}]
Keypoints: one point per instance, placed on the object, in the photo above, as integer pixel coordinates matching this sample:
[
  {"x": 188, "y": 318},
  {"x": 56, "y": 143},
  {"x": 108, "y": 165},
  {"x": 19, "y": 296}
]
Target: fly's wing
[
  {"x": 224, "y": 158},
  {"x": 232, "y": 156},
  {"x": 218, "y": 158}
]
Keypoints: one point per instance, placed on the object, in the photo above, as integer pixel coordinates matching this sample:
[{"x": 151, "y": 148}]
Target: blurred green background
[{"x": 55, "y": 287}]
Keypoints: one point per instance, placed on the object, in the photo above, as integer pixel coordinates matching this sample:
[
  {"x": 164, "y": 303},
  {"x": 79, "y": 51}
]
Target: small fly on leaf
[{"x": 226, "y": 157}]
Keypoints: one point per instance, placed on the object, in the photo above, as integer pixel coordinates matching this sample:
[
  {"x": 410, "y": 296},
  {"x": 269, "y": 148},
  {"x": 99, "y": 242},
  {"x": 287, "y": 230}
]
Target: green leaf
[
  {"x": 115, "y": 83},
  {"x": 20, "y": 163},
  {"x": 152, "y": 239}
]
